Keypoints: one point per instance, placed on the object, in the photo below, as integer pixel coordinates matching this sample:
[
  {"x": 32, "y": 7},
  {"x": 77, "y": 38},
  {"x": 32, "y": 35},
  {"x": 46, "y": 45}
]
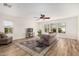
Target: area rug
[{"x": 31, "y": 47}]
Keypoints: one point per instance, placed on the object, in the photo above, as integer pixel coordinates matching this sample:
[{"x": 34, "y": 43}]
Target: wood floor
[{"x": 64, "y": 47}]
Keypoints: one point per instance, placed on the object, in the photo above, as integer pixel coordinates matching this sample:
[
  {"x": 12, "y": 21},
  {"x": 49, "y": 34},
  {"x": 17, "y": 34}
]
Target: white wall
[
  {"x": 29, "y": 11},
  {"x": 18, "y": 26},
  {"x": 78, "y": 28},
  {"x": 1, "y": 24},
  {"x": 71, "y": 27},
  {"x": 19, "y": 31},
  {"x": 29, "y": 22}
]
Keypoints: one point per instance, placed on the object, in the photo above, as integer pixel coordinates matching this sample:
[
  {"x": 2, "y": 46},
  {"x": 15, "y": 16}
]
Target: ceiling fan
[{"x": 42, "y": 16}]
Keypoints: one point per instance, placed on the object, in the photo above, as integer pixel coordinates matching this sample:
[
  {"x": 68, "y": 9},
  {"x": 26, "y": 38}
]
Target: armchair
[{"x": 4, "y": 39}]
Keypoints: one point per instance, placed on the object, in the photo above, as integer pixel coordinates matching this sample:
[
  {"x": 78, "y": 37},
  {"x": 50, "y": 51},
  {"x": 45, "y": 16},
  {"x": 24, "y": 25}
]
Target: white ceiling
[{"x": 54, "y": 10}]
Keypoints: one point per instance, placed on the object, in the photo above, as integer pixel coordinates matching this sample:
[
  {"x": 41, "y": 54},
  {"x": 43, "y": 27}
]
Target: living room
[{"x": 59, "y": 19}]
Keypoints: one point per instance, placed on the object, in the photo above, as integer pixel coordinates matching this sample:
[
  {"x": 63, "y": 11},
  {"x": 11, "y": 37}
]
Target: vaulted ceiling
[{"x": 53, "y": 10}]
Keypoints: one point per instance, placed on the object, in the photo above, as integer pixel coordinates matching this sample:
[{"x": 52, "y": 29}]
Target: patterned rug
[{"x": 33, "y": 49}]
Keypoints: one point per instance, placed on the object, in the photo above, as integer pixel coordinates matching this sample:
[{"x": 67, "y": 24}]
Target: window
[
  {"x": 61, "y": 28},
  {"x": 54, "y": 28},
  {"x": 8, "y": 30},
  {"x": 8, "y": 27},
  {"x": 50, "y": 28}
]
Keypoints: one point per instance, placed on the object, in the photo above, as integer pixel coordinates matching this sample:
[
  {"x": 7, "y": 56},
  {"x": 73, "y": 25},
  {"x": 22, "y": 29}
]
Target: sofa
[
  {"x": 4, "y": 39},
  {"x": 47, "y": 39}
]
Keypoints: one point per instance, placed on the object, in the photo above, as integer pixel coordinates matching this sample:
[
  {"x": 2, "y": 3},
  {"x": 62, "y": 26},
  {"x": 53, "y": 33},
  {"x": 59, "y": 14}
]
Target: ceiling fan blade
[{"x": 36, "y": 17}]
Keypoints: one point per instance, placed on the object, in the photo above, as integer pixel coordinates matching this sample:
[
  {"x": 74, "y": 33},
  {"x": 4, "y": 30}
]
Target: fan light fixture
[{"x": 42, "y": 16}]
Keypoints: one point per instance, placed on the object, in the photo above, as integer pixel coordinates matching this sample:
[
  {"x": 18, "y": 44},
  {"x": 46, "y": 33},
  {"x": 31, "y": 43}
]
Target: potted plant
[{"x": 39, "y": 33}]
